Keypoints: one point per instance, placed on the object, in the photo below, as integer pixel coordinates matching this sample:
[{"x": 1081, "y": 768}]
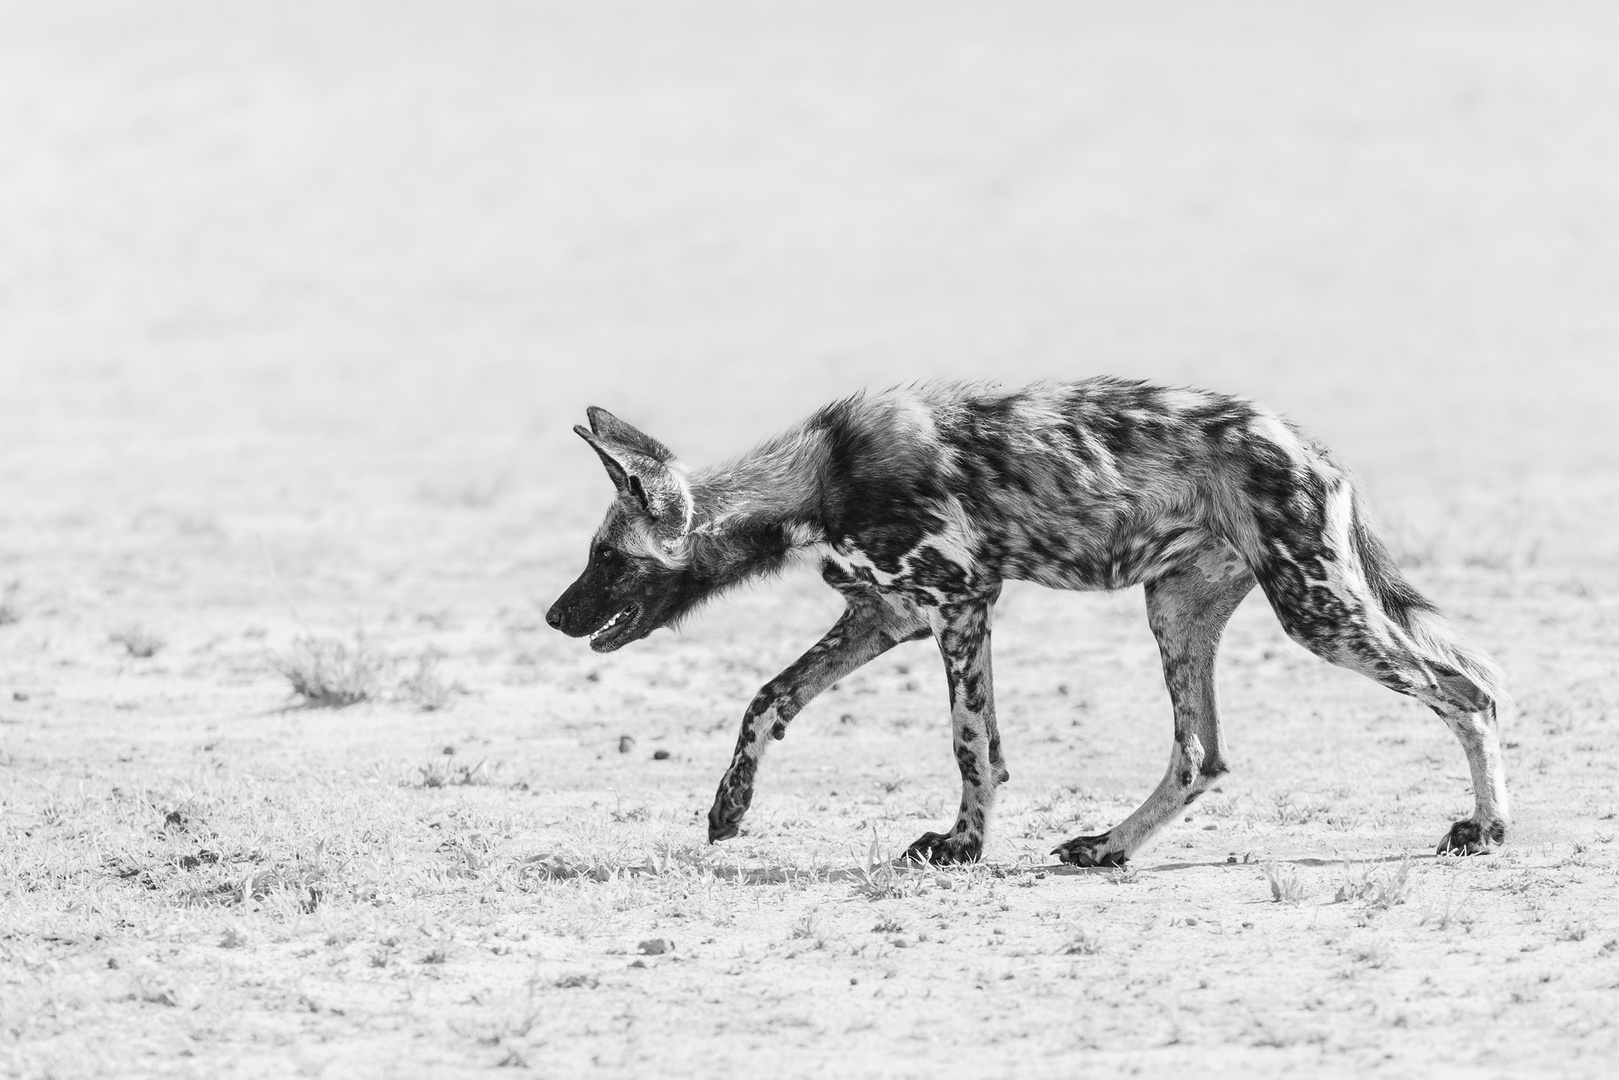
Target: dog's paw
[
  {"x": 1089, "y": 851},
  {"x": 945, "y": 849},
  {"x": 1471, "y": 838},
  {"x": 725, "y": 816}
]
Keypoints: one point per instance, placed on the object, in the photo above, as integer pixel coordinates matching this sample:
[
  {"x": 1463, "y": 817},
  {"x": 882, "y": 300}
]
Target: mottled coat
[{"x": 919, "y": 502}]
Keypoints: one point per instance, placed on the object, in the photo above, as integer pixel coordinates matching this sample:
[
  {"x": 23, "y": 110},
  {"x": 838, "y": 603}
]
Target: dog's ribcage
[{"x": 1100, "y": 487}]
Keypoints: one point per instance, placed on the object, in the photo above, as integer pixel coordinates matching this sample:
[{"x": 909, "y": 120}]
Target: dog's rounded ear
[
  {"x": 611, "y": 429},
  {"x": 613, "y": 461},
  {"x": 657, "y": 489}
]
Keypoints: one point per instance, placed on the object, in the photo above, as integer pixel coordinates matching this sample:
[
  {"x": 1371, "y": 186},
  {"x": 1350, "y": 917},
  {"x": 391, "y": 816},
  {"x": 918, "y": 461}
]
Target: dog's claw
[
  {"x": 945, "y": 849},
  {"x": 1089, "y": 851},
  {"x": 1469, "y": 838}
]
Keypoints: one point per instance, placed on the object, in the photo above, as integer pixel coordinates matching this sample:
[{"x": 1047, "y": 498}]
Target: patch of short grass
[
  {"x": 881, "y": 879},
  {"x": 1452, "y": 912},
  {"x": 1381, "y": 887},
  {"x": 299, "y": 882},
  {"x": 1291, "y": 809},
  {"x": 449, "y": 773}
]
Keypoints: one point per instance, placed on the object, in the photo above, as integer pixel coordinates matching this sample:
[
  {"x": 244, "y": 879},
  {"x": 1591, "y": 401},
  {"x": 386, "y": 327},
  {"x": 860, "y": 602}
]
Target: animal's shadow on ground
[
  {"x": 1218, "y": 863},
  {"x": 780, "y": 875}
]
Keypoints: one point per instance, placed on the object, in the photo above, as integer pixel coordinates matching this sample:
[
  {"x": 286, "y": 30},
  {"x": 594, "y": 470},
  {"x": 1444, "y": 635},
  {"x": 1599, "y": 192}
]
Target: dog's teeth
[{"x": 608, "y": 625}]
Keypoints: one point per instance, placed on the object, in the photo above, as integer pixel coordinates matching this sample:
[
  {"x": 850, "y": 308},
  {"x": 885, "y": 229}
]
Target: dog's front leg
[
  {"x": 866, "y": 630},
  {"x": 963, "y": 634}
]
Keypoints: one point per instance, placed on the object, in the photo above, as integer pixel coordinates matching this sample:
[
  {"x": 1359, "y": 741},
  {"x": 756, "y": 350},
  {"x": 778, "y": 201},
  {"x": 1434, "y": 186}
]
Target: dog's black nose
[{"x": 554, "y": 617}]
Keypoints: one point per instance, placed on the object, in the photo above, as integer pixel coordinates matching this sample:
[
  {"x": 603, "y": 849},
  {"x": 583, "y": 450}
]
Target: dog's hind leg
[
  {"x": 1188, "y": 610},
  {"x": 1337, "y": 593},
  {"x": 868, "y": 628},
  {"x": 962, "y": 630}
]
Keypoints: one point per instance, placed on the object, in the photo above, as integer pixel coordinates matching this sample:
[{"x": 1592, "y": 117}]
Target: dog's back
[{"x": 1098, "y": 484}]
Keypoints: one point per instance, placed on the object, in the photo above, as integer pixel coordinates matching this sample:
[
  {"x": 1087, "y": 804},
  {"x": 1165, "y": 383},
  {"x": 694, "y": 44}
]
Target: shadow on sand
[{"x": 781, "y": 875}]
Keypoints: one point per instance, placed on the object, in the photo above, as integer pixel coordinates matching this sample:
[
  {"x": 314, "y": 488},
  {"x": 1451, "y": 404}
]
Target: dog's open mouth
[{"x": 615, "y": 631}]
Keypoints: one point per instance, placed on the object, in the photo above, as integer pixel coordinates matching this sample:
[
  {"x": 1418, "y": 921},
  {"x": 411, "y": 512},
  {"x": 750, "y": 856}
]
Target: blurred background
[{"x": 318, "y": 280}]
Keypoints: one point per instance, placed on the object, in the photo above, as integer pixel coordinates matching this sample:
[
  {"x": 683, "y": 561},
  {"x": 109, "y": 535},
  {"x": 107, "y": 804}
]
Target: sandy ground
[{"x": 298, "y": 303}]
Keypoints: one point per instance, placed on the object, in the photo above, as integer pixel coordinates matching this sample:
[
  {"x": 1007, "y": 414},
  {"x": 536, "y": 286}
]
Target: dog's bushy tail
[{"x": 1414, "y": 613}]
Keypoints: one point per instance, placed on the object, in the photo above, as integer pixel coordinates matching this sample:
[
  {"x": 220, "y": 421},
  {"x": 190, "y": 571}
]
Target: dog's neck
[
  {"x": 754, "y": 511},
  {"x": 776, "y": 484}
]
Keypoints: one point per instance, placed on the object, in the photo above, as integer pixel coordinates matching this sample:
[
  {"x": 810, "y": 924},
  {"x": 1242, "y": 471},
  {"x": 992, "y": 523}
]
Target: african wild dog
[{"x": 920, "y": 502}]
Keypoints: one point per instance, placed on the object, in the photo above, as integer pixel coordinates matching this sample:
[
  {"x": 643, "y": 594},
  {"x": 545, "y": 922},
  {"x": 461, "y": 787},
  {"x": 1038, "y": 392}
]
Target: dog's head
[{"x": 636, "y": 579}]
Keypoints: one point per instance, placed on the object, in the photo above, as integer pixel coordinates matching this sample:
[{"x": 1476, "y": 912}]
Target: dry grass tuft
[
  {"x": 446, "y": 773},
  {"x": 425, "y": 687},
  {"x": 1083, "y": 943},
  {"x": 576, "y": 980},
  {"x": 329, "y": 674},
  {"x": 138, "y": 641}
]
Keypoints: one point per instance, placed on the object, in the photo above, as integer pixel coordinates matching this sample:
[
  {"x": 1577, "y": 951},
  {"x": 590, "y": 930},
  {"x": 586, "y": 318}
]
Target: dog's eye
[{"x": 607, "y": 555}]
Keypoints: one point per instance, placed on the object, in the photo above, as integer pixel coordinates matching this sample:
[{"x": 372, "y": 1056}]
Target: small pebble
[{"x": 660, "y": 755}]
